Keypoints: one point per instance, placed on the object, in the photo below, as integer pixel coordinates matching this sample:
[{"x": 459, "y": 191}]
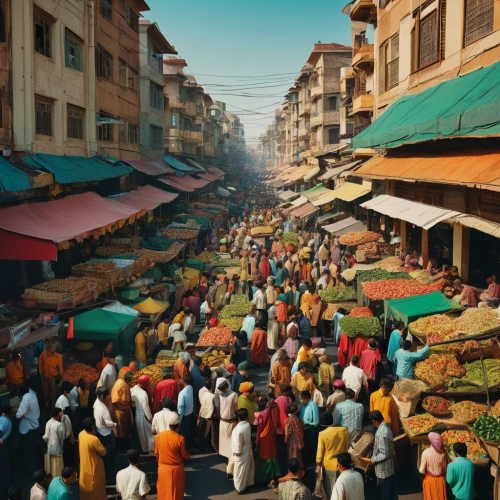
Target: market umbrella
[{"x": 151, "y": 306}]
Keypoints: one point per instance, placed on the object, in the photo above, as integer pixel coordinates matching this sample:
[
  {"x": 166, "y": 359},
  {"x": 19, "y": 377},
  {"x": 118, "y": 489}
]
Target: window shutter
[{"x": 381, "y": 68}]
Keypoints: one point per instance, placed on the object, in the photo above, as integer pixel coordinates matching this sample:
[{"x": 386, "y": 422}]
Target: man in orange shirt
[
  {"x": 50, "y": 366},
  {"x": 14, "y": 372},
  {"x": 382, "y": 401}
]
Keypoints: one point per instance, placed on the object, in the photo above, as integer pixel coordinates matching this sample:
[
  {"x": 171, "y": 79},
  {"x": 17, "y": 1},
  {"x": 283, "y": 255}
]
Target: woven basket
[
  {"x": 408, "y": 389},
  {"x": 361, "y": 446}
]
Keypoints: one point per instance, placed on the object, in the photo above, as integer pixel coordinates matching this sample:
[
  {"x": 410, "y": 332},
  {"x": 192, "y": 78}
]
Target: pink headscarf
[{"x": 436, "y": 441}]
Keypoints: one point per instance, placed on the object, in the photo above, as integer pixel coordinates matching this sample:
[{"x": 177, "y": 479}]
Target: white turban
[{"x": 185, "y": 356}]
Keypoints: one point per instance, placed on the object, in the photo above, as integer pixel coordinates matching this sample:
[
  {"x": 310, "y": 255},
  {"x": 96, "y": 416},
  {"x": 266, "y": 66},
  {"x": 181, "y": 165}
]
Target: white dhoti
[{"x": 244, "y": 469}]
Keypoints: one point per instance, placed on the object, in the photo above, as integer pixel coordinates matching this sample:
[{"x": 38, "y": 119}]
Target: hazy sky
[{"x": 251, "y": 41}]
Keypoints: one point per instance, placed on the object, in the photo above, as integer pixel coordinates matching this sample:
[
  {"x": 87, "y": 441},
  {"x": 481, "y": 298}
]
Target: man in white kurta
[
  {"x": 349, "y": 485},
  {"x": 143, "y": 415},
  {"x": 108, "y": 375},
  {"x": 54, "y": 437},
  {"x": 242, "y": 453},
  {"x": 161, "y": 418},
  {"x": 132, "y": 483}
]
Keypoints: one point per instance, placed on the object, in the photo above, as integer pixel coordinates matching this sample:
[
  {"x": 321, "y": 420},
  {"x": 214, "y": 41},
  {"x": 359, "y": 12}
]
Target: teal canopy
[
  {"x": 73, "y": 169},
  {"x": 176, "y": 164},
  {"x": 11, "y": 178},
  {"x": 411, "y": 308},
  {"x": 466, "y": 106}
]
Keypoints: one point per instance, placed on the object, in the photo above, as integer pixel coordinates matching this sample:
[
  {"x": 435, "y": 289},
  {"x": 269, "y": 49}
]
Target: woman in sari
[
  {"x": 264, "y": 266},
  {"x": 254, "y": 267},
  {"x": 433, "y": 464},
  {"x": 268, "y": 468},
  {"x": 294, "y": 433},
  {"x": 307, "y": 303}
]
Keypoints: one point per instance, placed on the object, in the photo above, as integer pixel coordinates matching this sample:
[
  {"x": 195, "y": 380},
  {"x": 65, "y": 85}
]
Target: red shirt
[
  {"x": 165, "y": 389},
  {"x": 281, "y": 311}
]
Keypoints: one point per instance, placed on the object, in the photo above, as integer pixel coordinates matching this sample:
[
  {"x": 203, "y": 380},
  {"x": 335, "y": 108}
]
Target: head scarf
[
  {"x": 325, "y": 359},
  {"x": 242, "y": 366},
  {"x": 173, "y": 418},
  {"x": 231, "y": 369},
  {"x": 220, "y": 381},
  {"x": 436, "y": 441},
  {"x": 246, "y": 387},
  {"x": 144, "y": 379},
  {"x": 282, "y": 297},
  {"x": 184, "y": 356}
]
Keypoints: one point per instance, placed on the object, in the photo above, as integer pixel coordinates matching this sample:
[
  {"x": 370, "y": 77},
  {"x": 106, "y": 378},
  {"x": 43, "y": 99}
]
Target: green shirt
[
  {"x": 460, "y": 476},
  {"x": 58, "y": 490}
]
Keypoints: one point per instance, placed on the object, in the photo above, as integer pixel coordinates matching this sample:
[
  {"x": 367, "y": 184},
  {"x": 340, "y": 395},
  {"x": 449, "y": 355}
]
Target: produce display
[
  {"x": 495, "y": 410},
  {"x": 191, "y": 275},
  {"x": 234, "y": 324},
  {"x": 159, "y": 244},
  {"x": 474, "y": 372},
  {"x": 207, "y": 257},
  {"x": 390, "y": 264},
  {"x": 95, "y": 266},
  {"x": 477, "y": 320},
  {"x": 232, "y": 310},
  {"x": 421, "y": 275},
  {"x": 261, "y": 230},
  {"x": 474, "y": 450},
  {"x": 436, "y": 405},
  {"x": 360, "y": 312},
  {"x": 397, "y": 289},
  {"x": 358, "y": 238},
  {"x": 73, "y": 373},
  {"x": 436, "y": 369},
  {"x": 369, "y": 248},
  {"x": 467, "y": 412},
  {"x": 162, "y": 256},
  {"x": 113, "y": 250},
  {"x": 379, "y": 275},
  {"x": 216, "y": 358},
  {"x": 337, "y": 293},
  {"x": 65, "y": 285},
  {"x": 215, "y": 336},
  {"x": 239, "y": 299},
  {"x": 487, "y": 428},
  {"x": 290, "y": 237},
  {"x": 154, "y": 371},
  {"x": 367, "y": 327},
  {"x": 420, "y": 424},
  {"x": 437, "y": 327},
  {"x": 179, "y": 234}
]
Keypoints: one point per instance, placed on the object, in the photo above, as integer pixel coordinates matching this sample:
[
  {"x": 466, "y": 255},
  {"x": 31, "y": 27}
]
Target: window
[
  {"x": 76, "y": 122},
  {"x": 123, "y": 132},
  {"x": 332, "y": 103},
  {"x": 122, "y": 72},
  {"x": 187, "y": 124},
  {"x": 155, "y": 57},
  {"x": 73, "y": 51},
  {"x": 43, "y": 116},
  {"x": 132, "y": 19},
  {"x": 2, "y": 21},
  {"x": 104, "y": 64},
  {"x": 42, "y": 32},
  {"x": 349, "y": 128},
  {"x": 173, "y": 120},
  {"x": 389, "y": 64},
  {"x": 428, "y": 46},
  {"x": 133, "y": 134},
  {"x": 155, "y": 95},
  {"x": 333, "y": 136},
  {"x": 478, "y": 19},
  {"x": 155, "y": 137},
  {"x": 106, "y": 8},
  {"x": 105, "y": 130},
  {"x": 132, "y": 78}
]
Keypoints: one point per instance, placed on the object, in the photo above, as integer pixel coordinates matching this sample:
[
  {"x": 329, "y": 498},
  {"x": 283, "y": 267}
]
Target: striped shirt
[
  {"x": 349, "y": 414},
  {"x": 383, "y": 452}
]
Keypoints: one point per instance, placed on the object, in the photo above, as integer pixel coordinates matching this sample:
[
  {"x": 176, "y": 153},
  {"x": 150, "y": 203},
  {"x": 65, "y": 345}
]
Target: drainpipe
[{"x": 91, "y": 80}]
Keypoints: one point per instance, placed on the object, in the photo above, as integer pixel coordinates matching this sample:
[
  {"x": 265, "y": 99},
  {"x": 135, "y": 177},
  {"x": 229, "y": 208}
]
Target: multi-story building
[
  {"x": 117, "y": 69},
  {"x": 347, "y": 83},
  {"x": 153, "y": 46},
  {"x": 48, "y": 86},
  {"x": 237, "y": 145}
]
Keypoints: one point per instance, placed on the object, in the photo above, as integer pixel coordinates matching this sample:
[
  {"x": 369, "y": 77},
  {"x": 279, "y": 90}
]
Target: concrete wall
[{"x": 5, "y": 86}]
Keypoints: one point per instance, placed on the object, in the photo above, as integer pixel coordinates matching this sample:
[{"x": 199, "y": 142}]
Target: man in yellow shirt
[
  {"x": 50, "y": 366},
  {"x": 306, "y": 353},
  {"x": 14, "y": 372},
  {"x": 382, "y": 401},
  {"x": 132, "y": 367}
]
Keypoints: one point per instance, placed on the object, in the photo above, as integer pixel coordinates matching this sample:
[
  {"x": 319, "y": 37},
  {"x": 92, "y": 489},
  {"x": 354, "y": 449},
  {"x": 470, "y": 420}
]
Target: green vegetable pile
[
  {"x": 232, "y": 310},
  {"x": 235, "y": 323},
  {"x": 290, "y": 237},
  {"x": 380, "y": 274},
  {"x": 487, "y": 428},
  {"x": 367, "y": 327},
  {"x": 337, "y": 293},
  {"x": 239, "y": 299},
  {"x": 474, "y": 372}
]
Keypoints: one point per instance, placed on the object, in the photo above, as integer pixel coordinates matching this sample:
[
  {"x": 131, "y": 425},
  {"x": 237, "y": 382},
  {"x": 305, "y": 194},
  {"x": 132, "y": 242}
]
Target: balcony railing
[
  {"x": 316, "y": 91},
  {"x": 362, "y": 104},
  {"x": 316, "y": 120},
  {"x": 364, "y": 11}
]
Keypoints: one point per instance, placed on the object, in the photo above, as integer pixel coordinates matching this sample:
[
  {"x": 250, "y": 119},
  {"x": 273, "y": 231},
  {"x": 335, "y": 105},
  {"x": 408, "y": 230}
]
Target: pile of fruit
[
  {"x": 467, "y": 412},
  {"x": 239, "y": 299},
  {"x": 215, "y": 336},
  {"x": 232, "y": 310},
  {"x": 397, "y": 289},
  {"x": 361, "y": 312},
  {"x": 420, "y": 424},
  {"x": 421, "y": 275},
  {"x": 379, "y": 275},
  {"x": 234, "y": 323},
  {"x": 179, "y": 234},
  {"x": 438, "y": 326},
  {"x": 367, "y": 327},
  {"x": 474, "y": 450},
  {"x": 474, "y": 372},
  {"x": 487, "y": 428},
  {"x": 100, "y": 267},
  {"x": 215, "y": 358},
  {"x": 261, "y": 230},
  {"x": 206, "y": 257},
  {"x": 337, "y": 293},
  {"x": 110, "y": 251},
  {"x": 436, "y": 405},
  {"x": 358, "y": 238},
  {"x": 477, "y": 320},
  {"x": 73, "y": 373},
  {"x": 191, "y": 275},
  {"x": 495, "y": 410},
  {"x": 290, "y": 237},
  {"x": 436, "y": 369},
  {"x": 154, "y": 371},
  {"x": 66, "y": 285},
  {"x": 163, "y": 256},
  {"x": 369, "y": 248}
]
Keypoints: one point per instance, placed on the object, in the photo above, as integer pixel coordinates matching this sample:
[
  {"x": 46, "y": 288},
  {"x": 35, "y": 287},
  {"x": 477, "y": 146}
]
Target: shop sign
[{"x": 19, "y": 331}]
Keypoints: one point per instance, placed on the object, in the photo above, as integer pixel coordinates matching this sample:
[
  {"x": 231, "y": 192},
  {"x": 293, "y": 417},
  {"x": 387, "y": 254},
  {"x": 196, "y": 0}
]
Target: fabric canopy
[
  {"x": 466, "y": 106},
  {"x": 118, "y": 307},
  {"x": 332, "y": 172},
  {"x": 287, "y": 194},
  {"x": 177, "y": 183},
  {"x": 305, "y": 210},
  {"x": 295, "y": 204},
  {"x": 315, "y": 192},
  {"x": 99, "y": 324},
  {"x": 75, "y": 169},
  {"x": 296, "y": 174},
  {"x": 151, "y": 306},
  {"x": 177, "y": 164},
  {"x": 329, "y": 215},
  {"x": 486, "y": 226},
  {"x": 217, "y": 171},
  {"x": 146, "y": 198},
  {"x": 412, "y": 308},
  {"x": 312, "y": 173},
  {"x": 347, "y": 192},
  {"x": 208, "y": 177},
  {"x": 344, "y": 224},
  {"x": 150, "y": 168},
  {"x": 425, "y": 216},
  {"x": 11, "y": 178}
]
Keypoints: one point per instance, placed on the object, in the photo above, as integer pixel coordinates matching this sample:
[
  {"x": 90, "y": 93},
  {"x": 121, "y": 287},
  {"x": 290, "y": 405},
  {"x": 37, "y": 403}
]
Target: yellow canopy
[{"x": 151, "y": 306}]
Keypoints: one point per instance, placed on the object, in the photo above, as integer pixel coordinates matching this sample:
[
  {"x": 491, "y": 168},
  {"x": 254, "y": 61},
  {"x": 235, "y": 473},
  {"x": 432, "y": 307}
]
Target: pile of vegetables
[
  {"x": 421, "y": 275},
  {"x": 232, "y": 310},
  {"x": 206, "y": 257},
  {"x": 436, "y": 369},
  {"x": 474, "y": 372},
  {"x": 487, "y": 428},
  {"x": 261, "y": 230},
  {"x": 215, "y": 336},
  {"x": 215, "y": 358},
  {"x": 180, "y": 234},
  {"x": 369, "y": 248},
  {"x": 154, "y": 371},
  {"x": 290, "y": 237},
  {"x": 337, "y": 293},
  {"x": 361, "y": 312},
  {"x": 367, "y": 327},
  {"x": 234, "y": 323},
  {"x": 65, "y": 285},
  {"x": 239, "y": 299},
  {"x": 162, "y": 256},
  {"x": 477, "y": 320},
  {"x": 73, "y": 373},
  {"x": 420, "y": 424},
  {"x": 474, "y": 450},
  {"x": 397, "y": 289},
  {"x": 379, "y": 275},
  {"x": 439, "y": 326},
  {"x": 358, "y": 238},
  {"x": 435, "y": 404},
  {"x": 467, "y": 412}
]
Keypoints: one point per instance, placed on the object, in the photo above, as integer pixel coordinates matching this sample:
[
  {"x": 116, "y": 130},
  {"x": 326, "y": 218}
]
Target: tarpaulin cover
[
  {"x": 332, "y": 172},
  {"x": 150, "y": 168},
  {"x": 177, "y": 183},
  {"x": 11, "y": 178},
  {"x": 19, "y": 247},
  {"x": 347, "y": 192},
  {"x": 305, "y": 210},
  {"x": 151, "y": 306},
  {"x": 146, "y": 198},
  {"x": 217, "y": 171},
  {"x": 315, "y": 192},
  {"x": 177, "y": 164},
  {"x": 287, "y": 194},
  {"x": 208, "y": 177},
  {"x": 341, "y": 224},
  {"x": 412, "y": 308},
  {"x": 183, "y": 218},
  {"x": 73, "y": 169},
  {"x": 187, "y": 181},
  {"x": 466, "y": 106},
  {"x": 118, "y": 307}
]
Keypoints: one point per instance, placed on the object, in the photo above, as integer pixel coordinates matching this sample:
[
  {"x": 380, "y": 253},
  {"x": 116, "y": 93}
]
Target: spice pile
[
  {"x": 467, "y": 412},
  {"x": 436, "y": 369},
  {"x": 420, "y": 424},
  {"x": 361, "y": 312},
  {"x": 358, "y": 238},
  {"x": 337, "y": 293},
  {"x": 474, "y": 450},
  {"x": 73, "y": 373},
  {"x": 474, "y": 372},
  {"x": 215, "y": 336},
  {"x": 487, "y": 428},
  {"x": 367, "y": 327},
  {"x": 398, "y": 289},
  {"x": 436, "y": 405}
]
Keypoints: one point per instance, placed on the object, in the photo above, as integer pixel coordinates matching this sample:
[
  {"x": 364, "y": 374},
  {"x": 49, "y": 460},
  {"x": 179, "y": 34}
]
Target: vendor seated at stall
[{"x": 493, "y": 290}]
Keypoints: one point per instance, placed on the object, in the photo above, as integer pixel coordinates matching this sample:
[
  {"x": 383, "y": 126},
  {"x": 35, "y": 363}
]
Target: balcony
[
  {"x": 303, "y": 132},
  {"x": 175, "y": 103},
  {"x": 316, "y": 120},
  {"x": 363, "y": 59},
  {"x": 172, "y": 133},
  {"x": 305, "y": 109},
  {"x": 190, "y": 108},
  {"x": 316, "y": 91},
  {"x": 189, "y": 135},
  {"x": 331, "y": 117},
  {"x": 362, "y": 104},
  {"x": 364, "y": 11}
]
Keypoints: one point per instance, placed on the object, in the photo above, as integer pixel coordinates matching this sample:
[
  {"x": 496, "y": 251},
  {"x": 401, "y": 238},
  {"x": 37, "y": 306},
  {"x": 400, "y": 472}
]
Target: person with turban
[
  {"x": 143, "y": 415},
  {"x": 433, "y": 464},
  {"x": 247, "y": 400}
]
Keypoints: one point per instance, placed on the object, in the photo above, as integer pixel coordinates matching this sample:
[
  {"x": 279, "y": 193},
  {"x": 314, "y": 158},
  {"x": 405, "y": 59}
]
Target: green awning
[
  {"x": 329, "y": 215},
  {"x": 74, "y": 169},
  {"x": 11, "y": 178},
  {"x": 312, "y": 190},
  {"x": 176, "y": 164},
  {"x": 412, "y": 308},
  {"x": 466, "y": 106}
]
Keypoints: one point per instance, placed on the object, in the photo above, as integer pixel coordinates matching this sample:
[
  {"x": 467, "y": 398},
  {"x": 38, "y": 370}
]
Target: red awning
[
  {"x": 209, "y": 177},
  {"x": 176, "y": 182},
  {"x": 150, "y": 168},
  {"x": 196, "y": 183},
  {"x": 146, "y": 198},
  {"x": 305, "y": 210},
  {"x": 217, "y": 171},
  {"x": 19, "y": 247},
  {"x": 185, "y": 183}
]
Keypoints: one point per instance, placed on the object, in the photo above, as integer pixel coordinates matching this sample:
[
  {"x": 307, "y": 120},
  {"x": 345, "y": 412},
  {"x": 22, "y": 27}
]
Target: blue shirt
[
  {"x": 5, "y": 428},
  {"x": 198, "y": 378},
  {"x": 185, "y": 402},
  {"x": 460, "y": 477},
  {"x": 405, "y": 361},
  {"x": 349, "y": 414},
  {"x": 394, "y": 345},
  {"x": 304, "y": 327},
  {"x": 336, "y": 326},
  {"x": 58, "y": 490},
  {"x": 249, "y": 327},
  {"x": 309, "y": 414},
  {"x": 273, "y": 267}
]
